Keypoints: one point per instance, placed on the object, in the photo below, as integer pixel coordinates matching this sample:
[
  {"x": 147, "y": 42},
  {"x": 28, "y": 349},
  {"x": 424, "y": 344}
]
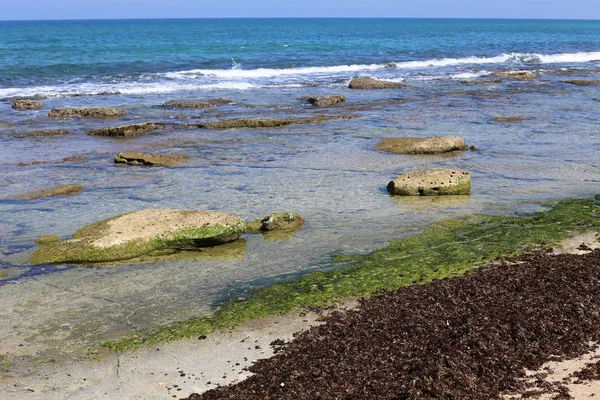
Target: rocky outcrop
[
  {"x": 163, "y": 160},
  {"x": 508, "y": 119},
  {"x": 284, "y": 221},
  {"x": 428, "y": 145},
  {"x": 95, "y": 112},
  {"x": 266, "y": 123},
  {"x": 369, "y": 83},
  {"x": 132, "y": 235},
  {"x": 325, "y": 101},
  {"x": 431, "y": 182},
  {"x": 583, "y": 82},
  {"x": 515, "y": 75},
  {"x": 126, "y": 130},
  {"x": 51, "y": 132},
  {"x": 63, "y": 190},
  {"x": 198, "y": 104},
  {"x": 26, "y": 105}
]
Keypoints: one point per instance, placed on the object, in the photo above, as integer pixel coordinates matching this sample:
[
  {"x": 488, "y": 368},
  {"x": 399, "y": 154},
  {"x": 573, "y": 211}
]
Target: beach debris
[
  {"x": 325, "y": 101},
  {"x": 63, "y": 190},
  {"x": 198, "y": 104},
  {"x": 583, "y": 82},
  {"x": 515, "y": 74},
  {"x": 164, "y": 160},
  {"x": 370, "y": 83},
  {"x": 426, "y": 145},
  {"x": 26, "y": 105},
  {"x": 48, "y": 132},
  {"x": 267, "y": 123},
  {"x": 432, "y": 182},
  {"x": 141, "y": 232},
  {"x": 284, "y": 221},
  {"x": 127, "y": 130},
  {"x": 509, "y": 119},
  {"x": 93, "y": 112}
]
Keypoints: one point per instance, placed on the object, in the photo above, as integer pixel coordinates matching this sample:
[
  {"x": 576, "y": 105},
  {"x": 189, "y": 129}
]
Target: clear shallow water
[{"x": 327, "y": 172}]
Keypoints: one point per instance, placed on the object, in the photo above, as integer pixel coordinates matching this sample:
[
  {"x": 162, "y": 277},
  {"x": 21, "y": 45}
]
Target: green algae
[{"x": 446, "y": 249}]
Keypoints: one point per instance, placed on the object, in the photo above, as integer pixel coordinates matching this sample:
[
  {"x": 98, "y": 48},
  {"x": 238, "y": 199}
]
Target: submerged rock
[
  {"x": 267, "y": 123},
  {"x": 427, "y": 145},
  {"x": 127, "y": 130},
  {"x": 508, "y": 119},
  {"x": 515, "y": 74},
  {"x": 95, "y": 112},
  {"x": 431, "y": 182},
  {"x": 142, "y": 232},
  {"x": 369, "y": 83},
  {"x": 63, "y": 190},
  {"x": 166, "y": 160},
  {"x": 325, "y": 101},
  {"x": 26, "y": 105},
  {"x": 198, "y": 104},
  {"x": 49, "y": 132},
  {"x": 284, "y": 221},
  {"x": 583, "y": 82}
]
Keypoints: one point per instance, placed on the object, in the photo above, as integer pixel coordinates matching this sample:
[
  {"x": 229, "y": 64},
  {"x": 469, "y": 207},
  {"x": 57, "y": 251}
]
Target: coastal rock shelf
[{"x": 132, "y": 235}]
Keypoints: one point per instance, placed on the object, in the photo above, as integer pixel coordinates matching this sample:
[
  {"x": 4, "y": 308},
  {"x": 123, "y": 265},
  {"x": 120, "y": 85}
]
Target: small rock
[
  {"x": 50, "y": 132},
  {"x": 165, "y": 160},
  {"x": 63, "y": 190},
  {"x": 583, "y": 82},
  {"x": 369, "y": 83},
  {"x": 284, "y": 221},
  {"x": 432, "y": 182},
  {"x": 126, "y": 130},
  {"x": 26, "y": 105},
  {"x": 428, "y": 145},
  {"x": 198, "y": 104},
  {"x": 95, "y": 112},
  {"x": 325, "y": 101},
  {"x": 508, "y": 119},
  {"x": 515, "y": 74}
]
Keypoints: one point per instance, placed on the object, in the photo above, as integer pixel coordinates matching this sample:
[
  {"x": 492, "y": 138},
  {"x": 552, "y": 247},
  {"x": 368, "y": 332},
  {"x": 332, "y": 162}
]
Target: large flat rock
[
  {"x": 427, "y": 145},
  {"x": 432, "y": 182}
]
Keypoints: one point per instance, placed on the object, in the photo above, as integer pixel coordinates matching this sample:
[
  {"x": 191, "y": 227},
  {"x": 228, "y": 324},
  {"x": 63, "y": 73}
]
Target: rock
[
  {"x": 63, "y": 190},
  {"x": 166, "y": 160},
  {"x": 369, "y": 83},
  {"x": 515, "y": 74},
  {"x": 26, "y": 105},
  {"x": 582, "y": 82},
  {"x": 508, "y": 119},
  {"x": 53, "y": 132},
  {"x": 284, "y": 221},
  {"x": 427, "y": 145},
  {"x": 431, "y": 182},
  {"x": 266, "y": 123},
  {"x": 325, "y": 101},
  {"x": 142, "y": 232},
  {"x": 198, "y": 104},
  {"x": 47, "y": 239},
  {"x": 96, "y": 112},
  {"x": 126, "y": 130}
]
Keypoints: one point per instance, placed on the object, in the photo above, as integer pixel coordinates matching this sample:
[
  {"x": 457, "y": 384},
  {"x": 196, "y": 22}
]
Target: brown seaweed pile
[{"x": 464, "y": 338}]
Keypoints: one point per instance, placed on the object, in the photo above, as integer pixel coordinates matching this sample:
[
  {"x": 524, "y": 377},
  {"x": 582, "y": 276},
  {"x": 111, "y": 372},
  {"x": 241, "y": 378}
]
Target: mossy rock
[
  {"x": 26, "y": 105},
  {"x": 92, "y": 112},
  {"x": 284, "y": 221},
  {"x": 142, "y": 232},
  {"x": 63, "y": 190},
  {"x": 432, "y": 182},
  {"x": 370, "y": 84},
  {"x": 47, "y": 239},
  {"x": 126, "y": 130},
  {"x": 427, "y": 145},
  {"x": 164, "y": 160}
]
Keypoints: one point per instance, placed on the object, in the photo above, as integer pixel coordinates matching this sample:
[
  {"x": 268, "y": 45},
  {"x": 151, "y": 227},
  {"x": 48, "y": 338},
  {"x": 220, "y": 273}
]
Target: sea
[{"x": 328, "y": 172}]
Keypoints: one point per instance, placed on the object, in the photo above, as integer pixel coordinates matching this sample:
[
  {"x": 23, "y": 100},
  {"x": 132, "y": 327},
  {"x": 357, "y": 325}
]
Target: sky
[{"x": 109, "y": 9}]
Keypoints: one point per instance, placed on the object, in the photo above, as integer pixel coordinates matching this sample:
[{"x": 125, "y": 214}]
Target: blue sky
[{"x": 83, "y": 9}]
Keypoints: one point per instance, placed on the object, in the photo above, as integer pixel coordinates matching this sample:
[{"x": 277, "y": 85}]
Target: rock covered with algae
[
  {"x": 134, "y": 234},
  {"x": 427, "y": 145},
  {"x": 432, "y": 182}
]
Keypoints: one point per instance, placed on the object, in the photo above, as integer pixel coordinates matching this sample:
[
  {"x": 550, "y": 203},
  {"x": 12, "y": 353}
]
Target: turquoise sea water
[{"x": 328, "y": 172}]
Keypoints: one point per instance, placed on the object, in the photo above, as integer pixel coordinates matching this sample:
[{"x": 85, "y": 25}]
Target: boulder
[
  {"x": 198, "y": 104},
  {"x": 134, "y": 234},
  {"x": 515, "y": 74},
  {"x": 427, "y": 145},
  {"x": 50, "y": 132},
  {"x": 63, "y": 190},
  {"x": 583, "y": 82},
  {"x": 369, "y": 83},
  {"x": 431, "y": 182},
  {"x": 266, "y": 123},
  {"x": 284, "y": 221},
  {"x": 126, "y": 130},
  {"x": 26, "y": 105},
  {"x": 95, "y": 112},
  {"x": 164, "y": 160},
  {"x": 325, "y": 101}
]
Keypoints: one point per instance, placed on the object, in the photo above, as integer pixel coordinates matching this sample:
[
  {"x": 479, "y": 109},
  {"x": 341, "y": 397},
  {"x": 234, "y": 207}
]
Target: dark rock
[
  {"x": 325, "y": 101},
  {"x": 52, "y": 132},
  {"x": 515, "y": 75},
  {"x": 26, "y": 105},
  {"x": 508, "y": 119},
  {"x": 126, "y": 130},
  {"x": 266, "y": 123},
  {"x": 369, "y": 83},
  {"x": 198, "y": 104},
  {"x": 166, "y": 160}
]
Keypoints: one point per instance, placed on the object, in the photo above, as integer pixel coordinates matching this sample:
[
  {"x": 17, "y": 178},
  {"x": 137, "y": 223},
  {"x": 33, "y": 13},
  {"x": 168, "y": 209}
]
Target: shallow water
[{"x": 327, "y": 172}]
